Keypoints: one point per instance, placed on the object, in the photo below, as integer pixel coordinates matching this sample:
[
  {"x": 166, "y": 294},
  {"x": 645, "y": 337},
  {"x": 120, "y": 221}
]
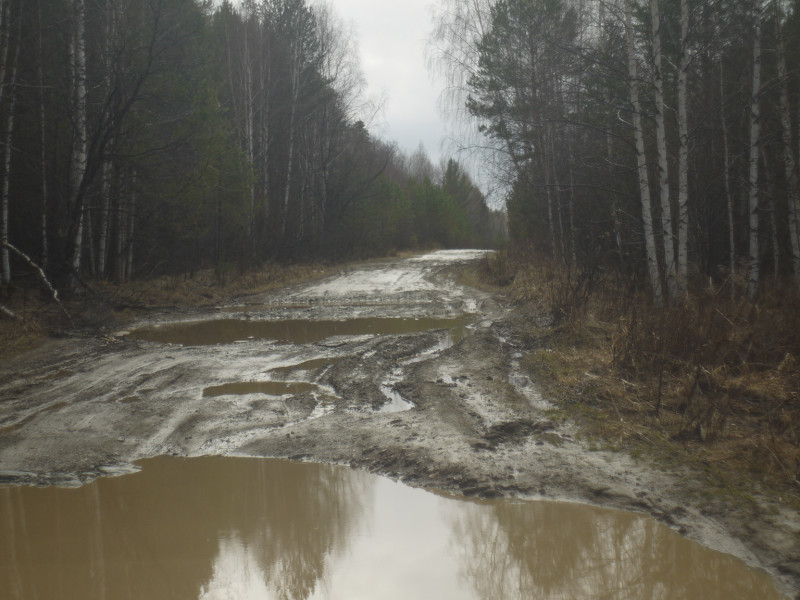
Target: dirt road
[{"x": 393, "y": 367}]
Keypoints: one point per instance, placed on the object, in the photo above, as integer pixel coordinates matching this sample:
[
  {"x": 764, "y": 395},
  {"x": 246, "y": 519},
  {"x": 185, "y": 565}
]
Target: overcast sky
[{"x": 391, "y": 39}]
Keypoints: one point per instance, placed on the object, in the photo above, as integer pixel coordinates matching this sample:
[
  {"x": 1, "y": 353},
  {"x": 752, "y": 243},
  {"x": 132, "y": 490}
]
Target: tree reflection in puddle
[
  {"x": 220, "y": 528},
  {"x": 561, "y": 550}
]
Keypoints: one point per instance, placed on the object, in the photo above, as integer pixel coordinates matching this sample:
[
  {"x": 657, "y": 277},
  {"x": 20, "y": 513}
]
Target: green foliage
[{"x": 402, "y": 213}]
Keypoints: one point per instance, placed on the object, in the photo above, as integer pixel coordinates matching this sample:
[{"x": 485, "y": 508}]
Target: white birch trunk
[
  {"x": 610, "y": 159},
  {"x": 755, "y": 133},
  {"x": 6, "y": 261},
  {"x": 641, "y": 159},
  {"x": 5, "y": 276},
  {"x": 683, "y": 154},
  {"x": 790, "y": 165},
  {"x": 79, "y": 157},
  {"x": 661, "y": 144}
]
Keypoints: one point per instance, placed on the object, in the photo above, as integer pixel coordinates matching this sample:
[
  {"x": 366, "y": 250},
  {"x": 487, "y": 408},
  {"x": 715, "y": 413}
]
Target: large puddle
[
  {"x": 295, "y": 331},
  {"x": 225, "y": 528}
]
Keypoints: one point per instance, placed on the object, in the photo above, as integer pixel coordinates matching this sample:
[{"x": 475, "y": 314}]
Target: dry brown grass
[
  {"x": 206, "y": 287},
  {"x": 18, "y": 336},
  {"x": 713, "y": 381}
]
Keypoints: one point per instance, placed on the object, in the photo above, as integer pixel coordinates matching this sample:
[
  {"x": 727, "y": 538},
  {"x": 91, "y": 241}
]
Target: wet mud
[{"x": 442, "y": 406}]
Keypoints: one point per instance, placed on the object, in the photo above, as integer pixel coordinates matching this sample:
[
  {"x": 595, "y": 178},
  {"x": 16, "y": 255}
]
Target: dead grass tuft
[
  {"x": 19, "y": 336},
  {"x": 713, "y": 380},
  {"x": 206, "y": 287}
]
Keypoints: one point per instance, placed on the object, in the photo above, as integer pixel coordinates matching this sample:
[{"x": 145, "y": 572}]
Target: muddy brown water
[
  {"x": 214, "y": 528},
  {"x": 296, "y": 331},
  {"x": 272, "y": 388}
]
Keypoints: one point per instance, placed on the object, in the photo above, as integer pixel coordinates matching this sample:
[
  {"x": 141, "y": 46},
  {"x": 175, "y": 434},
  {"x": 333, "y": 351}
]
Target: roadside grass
[
  {"x": 710, "y": 383},
  {"x": 19, "y": 336},
  {"x": 206, "y": 287}
]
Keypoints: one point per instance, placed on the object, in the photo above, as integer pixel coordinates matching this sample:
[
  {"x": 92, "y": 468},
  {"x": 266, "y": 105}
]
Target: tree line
[
  {"x": 149, "y": 136},
  {"x": 657, "y": 138}
]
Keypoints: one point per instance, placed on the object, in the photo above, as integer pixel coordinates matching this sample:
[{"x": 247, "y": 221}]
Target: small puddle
[
  {"x": 270, "y": 388},
  {"x": 218, "y": 528},
  {"x": 394, "y": 400},
  {"x": 294, "y": 331}
]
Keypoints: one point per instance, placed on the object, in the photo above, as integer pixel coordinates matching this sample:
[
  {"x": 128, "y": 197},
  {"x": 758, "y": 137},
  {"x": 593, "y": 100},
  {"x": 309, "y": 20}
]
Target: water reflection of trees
[
  {"x": 552, "y": 551},
  {"x": 168, "y": 531},
  {"x": 313, "y": 513}
]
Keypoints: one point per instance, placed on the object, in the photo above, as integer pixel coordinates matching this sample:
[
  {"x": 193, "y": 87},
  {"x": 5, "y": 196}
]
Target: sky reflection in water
[{"x": 224, "y": 528}]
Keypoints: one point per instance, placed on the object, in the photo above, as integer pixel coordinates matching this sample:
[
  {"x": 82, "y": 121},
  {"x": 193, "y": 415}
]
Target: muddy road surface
[{"x": 391, "y": 366}]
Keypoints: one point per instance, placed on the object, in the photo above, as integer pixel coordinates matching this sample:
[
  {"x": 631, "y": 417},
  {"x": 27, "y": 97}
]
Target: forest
[
  {"x": 655, "y": 138},
  {"x": 144, "y": 137},
  {"x": 648, "y": 150}
]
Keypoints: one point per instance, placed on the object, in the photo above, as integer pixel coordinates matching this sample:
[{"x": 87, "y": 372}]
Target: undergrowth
[{"x": 713, "y": 378}]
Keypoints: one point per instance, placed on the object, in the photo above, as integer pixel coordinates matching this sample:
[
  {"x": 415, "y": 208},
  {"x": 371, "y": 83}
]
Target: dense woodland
[
  {"x": 656, "y": 138},
  {"x": 147, "y": 136},
  {"x": 649, "y": 149},
  {"x": 653, "y": 137}
]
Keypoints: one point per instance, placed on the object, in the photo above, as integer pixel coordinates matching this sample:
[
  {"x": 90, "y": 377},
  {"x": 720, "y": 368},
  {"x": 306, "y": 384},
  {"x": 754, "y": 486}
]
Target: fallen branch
[
  {"x": 10, "y": 313},
  {"x": 42, "y": 275}
]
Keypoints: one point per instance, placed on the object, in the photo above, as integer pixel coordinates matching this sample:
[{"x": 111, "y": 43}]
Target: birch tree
[
  {"x": 294, "y": 33},
  {"x": 661, "y": 145},
  {"x": 641, "y": 159},
  {"x": 11, "y": 83},
  {"x": 755, "y": 141},
  {"x": 79, "y": 142}
]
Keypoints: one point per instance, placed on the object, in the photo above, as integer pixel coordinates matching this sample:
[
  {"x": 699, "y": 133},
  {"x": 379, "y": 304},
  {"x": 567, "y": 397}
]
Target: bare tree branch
[{"x": 42, "y": 276}]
